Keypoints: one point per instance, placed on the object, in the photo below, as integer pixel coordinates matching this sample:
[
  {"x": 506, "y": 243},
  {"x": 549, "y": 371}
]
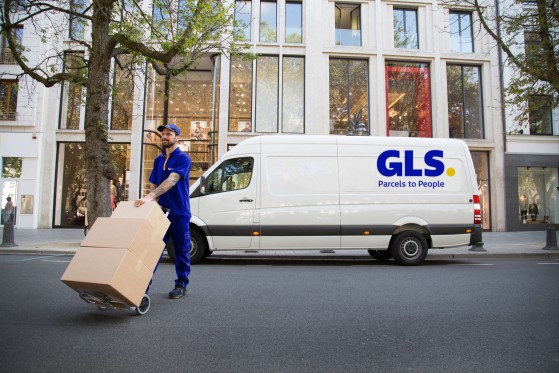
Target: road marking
[
  {"x": 475, "y": 264},
  {"x": 57, "y": 261},
  {"x": 36, "y": 258},
  {"x": 548, "y": 263}
]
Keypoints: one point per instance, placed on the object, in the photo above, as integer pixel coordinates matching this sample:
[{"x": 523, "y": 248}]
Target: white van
[{"x": 393, "y": 196}]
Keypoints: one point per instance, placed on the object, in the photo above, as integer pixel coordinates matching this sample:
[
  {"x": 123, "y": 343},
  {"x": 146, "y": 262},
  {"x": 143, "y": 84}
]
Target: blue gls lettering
[
  {"x": 436, "y": 164},
  {"x": 408, "y": 159},
  {"x": 394, "y": 168}
]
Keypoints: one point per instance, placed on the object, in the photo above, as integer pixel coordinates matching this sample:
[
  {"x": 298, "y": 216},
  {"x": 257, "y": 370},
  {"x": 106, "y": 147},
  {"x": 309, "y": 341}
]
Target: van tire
[
  {"x": 380, "y": 255},
  {"x": 409, "y": 248},
  {"x": 198, "y": 246}
]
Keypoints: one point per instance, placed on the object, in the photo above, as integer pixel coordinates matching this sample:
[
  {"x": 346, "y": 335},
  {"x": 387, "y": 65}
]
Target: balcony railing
[
  {"x": 8, "y": 116},
  {"x": 7, "y": 57}
]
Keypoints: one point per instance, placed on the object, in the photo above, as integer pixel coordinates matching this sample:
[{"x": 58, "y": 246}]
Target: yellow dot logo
[{"x": 451, "y": 171}]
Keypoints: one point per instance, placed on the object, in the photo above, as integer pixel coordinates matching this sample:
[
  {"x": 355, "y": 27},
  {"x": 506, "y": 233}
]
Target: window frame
[
  {"x": 11, "y": 99},
  {"x": 460, "y": 14},
  {"x": 406, "y": 31},
  {"x": 337, "y": 24},
  {"x": 260, "y": 37},
  {"x": 300, "y": 3},
  {"x": 464, "y": 108},
  {"x": 545, "y": 106}
]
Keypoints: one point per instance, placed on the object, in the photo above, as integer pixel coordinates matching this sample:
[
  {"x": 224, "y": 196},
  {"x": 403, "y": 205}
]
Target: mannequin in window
[{"x": 533, "y": 211}]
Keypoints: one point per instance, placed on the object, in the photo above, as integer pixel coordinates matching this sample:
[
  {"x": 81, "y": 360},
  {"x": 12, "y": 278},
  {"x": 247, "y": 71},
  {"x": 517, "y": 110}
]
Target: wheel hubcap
[{"x": 410, "y": 248}]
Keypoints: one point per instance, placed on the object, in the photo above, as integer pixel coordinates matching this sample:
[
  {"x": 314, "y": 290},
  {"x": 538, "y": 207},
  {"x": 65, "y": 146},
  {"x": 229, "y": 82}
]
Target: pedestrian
[
  {"x": 169, "y": 187},
  {"x": 8, "y": 209}
]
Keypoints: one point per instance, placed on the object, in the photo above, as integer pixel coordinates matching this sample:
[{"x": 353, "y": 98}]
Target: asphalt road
[{"x": 291, "y": 316}]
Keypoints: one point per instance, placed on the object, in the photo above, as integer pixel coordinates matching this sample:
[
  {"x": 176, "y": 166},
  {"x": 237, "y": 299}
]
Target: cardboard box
[
  {"x": 114, "y": 272},
  {"x": 149, "y": 211},
  {"x": 136, "y": 235}
]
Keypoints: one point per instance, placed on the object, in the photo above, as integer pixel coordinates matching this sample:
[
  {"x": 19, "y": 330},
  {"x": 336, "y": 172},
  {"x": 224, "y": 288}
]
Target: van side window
[{"x": 233, "y": 174}]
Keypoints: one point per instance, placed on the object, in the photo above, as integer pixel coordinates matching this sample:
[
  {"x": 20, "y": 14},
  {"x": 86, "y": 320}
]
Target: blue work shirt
[{"x": 176, "y": 198}]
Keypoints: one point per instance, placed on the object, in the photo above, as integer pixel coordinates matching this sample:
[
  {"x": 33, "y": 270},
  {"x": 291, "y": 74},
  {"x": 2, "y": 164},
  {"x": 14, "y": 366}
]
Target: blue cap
[{"x": 170, "y": 127}]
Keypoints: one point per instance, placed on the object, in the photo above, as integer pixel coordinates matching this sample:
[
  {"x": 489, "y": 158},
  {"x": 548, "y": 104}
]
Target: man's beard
[{"x": 167, "y": 144}]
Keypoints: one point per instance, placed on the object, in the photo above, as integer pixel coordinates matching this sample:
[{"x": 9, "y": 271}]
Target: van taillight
[{"x": 477, "y": 210}]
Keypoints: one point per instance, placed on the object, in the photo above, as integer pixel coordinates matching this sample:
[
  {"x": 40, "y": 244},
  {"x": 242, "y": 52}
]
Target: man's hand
[
  {"x": 156, "y": 191},
  {"x": 149, "y": 197}
]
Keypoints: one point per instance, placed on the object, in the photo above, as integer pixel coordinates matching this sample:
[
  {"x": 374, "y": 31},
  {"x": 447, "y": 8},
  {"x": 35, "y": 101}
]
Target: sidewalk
[{"x": 497, "y": 244}]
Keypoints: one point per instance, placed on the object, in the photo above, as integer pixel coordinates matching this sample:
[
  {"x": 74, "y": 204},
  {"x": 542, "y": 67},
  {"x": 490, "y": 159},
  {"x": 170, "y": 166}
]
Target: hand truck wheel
[{"x": 143, "y": 308}]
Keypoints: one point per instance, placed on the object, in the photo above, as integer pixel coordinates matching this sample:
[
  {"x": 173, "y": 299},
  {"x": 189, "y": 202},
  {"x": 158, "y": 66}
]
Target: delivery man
[{"x": 169, "y": 187}]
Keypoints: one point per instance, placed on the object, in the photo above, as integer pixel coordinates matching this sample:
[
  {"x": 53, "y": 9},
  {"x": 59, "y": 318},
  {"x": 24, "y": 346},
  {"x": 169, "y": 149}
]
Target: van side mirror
[{"x": 203, "y": 185}]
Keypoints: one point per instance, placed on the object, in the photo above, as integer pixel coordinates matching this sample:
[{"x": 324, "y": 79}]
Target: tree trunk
[{"x": 99, "y": 168}]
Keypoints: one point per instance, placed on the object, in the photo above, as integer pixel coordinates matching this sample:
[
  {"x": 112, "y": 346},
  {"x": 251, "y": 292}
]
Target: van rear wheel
[
  {"x": 380, "y": 255},
  {"x": 409, "y": 248}
]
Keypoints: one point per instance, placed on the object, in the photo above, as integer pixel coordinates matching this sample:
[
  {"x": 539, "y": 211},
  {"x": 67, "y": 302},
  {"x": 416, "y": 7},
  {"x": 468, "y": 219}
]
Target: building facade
[
  {"x": 532, "y": 146},
  {"x": 375, "y": 68}
]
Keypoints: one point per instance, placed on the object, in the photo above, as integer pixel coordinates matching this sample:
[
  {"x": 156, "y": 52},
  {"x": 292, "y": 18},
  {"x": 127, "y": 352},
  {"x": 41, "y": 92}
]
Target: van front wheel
[
  {"x": 197, "y": 246},
  {"x": 409, "y": 248}
]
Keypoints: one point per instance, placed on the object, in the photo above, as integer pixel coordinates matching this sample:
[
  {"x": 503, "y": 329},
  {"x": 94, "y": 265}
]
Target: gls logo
[{"x": 434, "y": 166}]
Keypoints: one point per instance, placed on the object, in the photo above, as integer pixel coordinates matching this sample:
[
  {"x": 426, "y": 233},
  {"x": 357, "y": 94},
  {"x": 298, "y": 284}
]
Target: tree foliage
[
  {"x": 528, "y": 34},
  {"x": 170, "y": 35}
]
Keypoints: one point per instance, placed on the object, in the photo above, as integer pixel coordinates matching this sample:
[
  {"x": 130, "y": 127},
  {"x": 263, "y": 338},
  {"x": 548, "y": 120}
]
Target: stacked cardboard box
[{"x": 120, "y": 253}]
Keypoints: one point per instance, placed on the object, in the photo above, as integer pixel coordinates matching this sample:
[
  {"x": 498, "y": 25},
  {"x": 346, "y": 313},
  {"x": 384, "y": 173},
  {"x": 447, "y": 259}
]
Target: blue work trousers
[{"x": 179, "y": 231}]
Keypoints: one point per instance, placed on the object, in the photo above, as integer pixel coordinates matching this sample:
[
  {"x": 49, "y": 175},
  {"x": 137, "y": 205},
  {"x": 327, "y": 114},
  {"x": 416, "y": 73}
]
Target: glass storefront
[
  {"x": 71, "y": 185},
  {"x": 240, "y": 96},
  {"x": 349, "y": 95},
  {"x": 537, "y": 195},
  {"x": 193, "y": 105},
  {"x": 481, "y": 165},
  {"x": 408, "y": 99}
]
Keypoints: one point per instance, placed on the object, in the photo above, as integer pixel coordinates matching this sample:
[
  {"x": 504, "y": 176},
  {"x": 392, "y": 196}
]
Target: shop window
[
  {"x": 294, "y": 22},
  {"x": 6, "y": 55},
  {"x": 240, "y": 96},
  {"x": 481, "y": 165},
  {"x": 71, "y": 197},
  {"x": 408, "y": 99},
  {"x": 188, "y": 105},
  {"x": 461, "y": 36},
  {"x": 11, "y": 167},
  {"x": 405, "y": 29},
  {"x": 465, "y": 109},
  {"x": 537, "y": 195},
  {"x": 267, "y": 86},
  {"x": 8, "y": 99},
  {"x": 293, "y": 95},
  {"x": 268, "y": 21},
  {"x": 349, "y": 95},
  {"x": 243, "y": 15},
  {"x": 348, "y": 24},
  {"x": 123, "y": 93},
  {"x": 72, "y": 92},
  {"x": 539, "y": 115}
]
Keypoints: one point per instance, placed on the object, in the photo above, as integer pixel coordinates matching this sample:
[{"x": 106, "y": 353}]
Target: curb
[{"x": 18, "y": 250}]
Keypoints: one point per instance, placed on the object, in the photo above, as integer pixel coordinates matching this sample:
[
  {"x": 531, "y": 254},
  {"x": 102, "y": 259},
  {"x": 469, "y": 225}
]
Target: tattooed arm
[{"x": 156, "y": 191}]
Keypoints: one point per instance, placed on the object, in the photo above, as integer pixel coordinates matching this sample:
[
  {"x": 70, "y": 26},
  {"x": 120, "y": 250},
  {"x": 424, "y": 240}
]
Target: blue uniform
[{"x": 176, "y": 199}]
